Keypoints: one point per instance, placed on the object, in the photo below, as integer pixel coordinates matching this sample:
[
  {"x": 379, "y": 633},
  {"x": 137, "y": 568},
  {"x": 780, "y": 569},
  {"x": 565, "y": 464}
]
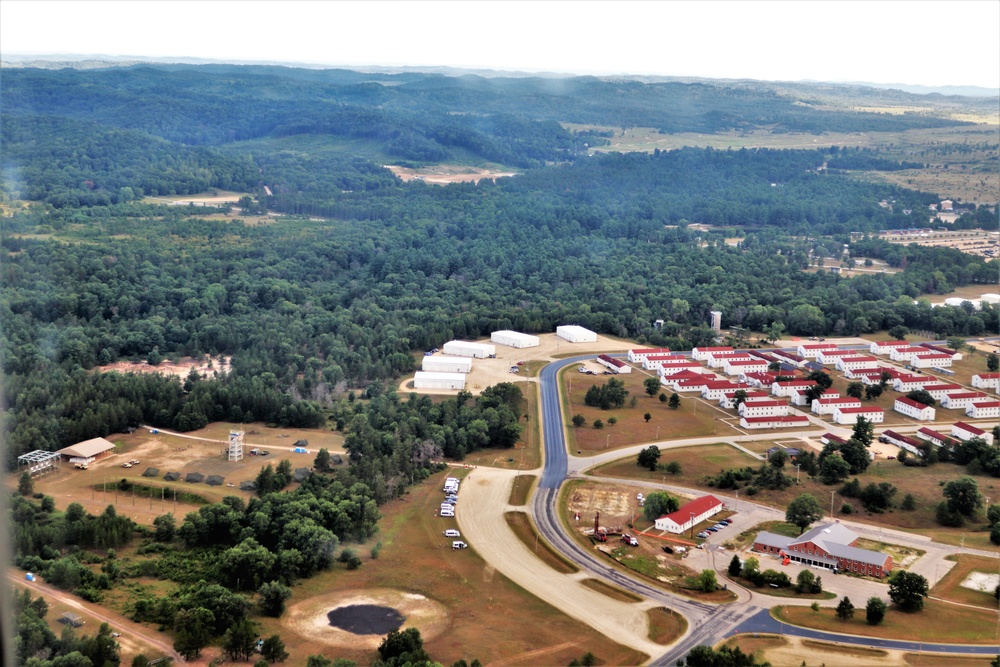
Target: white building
[
  {"x": 986, "y": 380},
  {"x": 442, "y": 364},
  {"x": 984, "y": 410},
  {"x": 852, "y": 363},
  {"x": 615, "y": 365},
  {"x": 638, "y": 355},
  {"x": 464, "y": 348},
  {"x": 787, "y": 387},
  {"x": 863, "y": 374},
  {"x": 933, "y": 360},
  {"x": 939, "y": 390},
  {"x": 429, "y": 380},
  {"x": 665, "y": 370},
  {"x": 961, "y": 400},
  {"x": 850, "y": 415},
  {"x": 714, "y": 390},
  {"x": 912, "y": 445},
  {"x": 990, "y": 297},
  {"x": 657, "y": 361},
  {"x": 576, "y": 334},
  {"x": 701, "y": 353},
  {"x": 906, "y": 353},
  {"x": 964, "y": 431},
  {"x": 887, "y": 346},
  {"x": 514, "y": 339},
  {"x": 745, "y": 366},
  {"x": 763, "y": 409},
  {"x": 911, "y": 382},
  {"x": 827, "y": 405},
  {"x": 788, "y": 421},
  {"x": 728, "y": 400},
  {"x": 914, "y": 409},
  {"x": 827, "y": 357},
  {"x": 936, "y": 438},
  {"x": 812, "y": 350},
  {"x": 940, "y": 349},
  {"x": 719, "y": 359},
  {"x": 689, "y": 515}
]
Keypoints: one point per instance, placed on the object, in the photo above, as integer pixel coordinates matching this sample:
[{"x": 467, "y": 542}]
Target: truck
[{"x": 629, "y": 540}]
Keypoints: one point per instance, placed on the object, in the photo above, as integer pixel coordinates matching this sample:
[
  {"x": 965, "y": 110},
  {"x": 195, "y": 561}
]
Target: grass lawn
[
  {"x": 696, "y": 462},
  {"x": 525, "y": 530},
  {"x": 694, "y": 418},
  {"x": 612, "y": 592},
  {"x": 950, "y": 587},
  {"x": 520, "y": 489},
  {"x": 938, "y": 622},
  {"x": 665, "y": 625}
]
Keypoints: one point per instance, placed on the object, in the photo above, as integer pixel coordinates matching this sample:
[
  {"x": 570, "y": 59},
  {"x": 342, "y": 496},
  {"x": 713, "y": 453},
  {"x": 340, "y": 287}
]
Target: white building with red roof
[
  {"x": 812, "y": 350},
  {"x": 787, "y": 387},
  {"x": 737, "y": 366},
  {"x": 638, "y": 355},
  {"x": 672, "y": 368},
  {"x": 657, "y": 361},
  {"x": 788, "y": 421},
  {"x": 914, "y": 409},
  {"x": 986, "y": 380},
  {"x": 714, "y": 390},
  {"x": 728, "y": 399},
  {"x": 770, "y": 408},
  {"x": 851, "y": 415},
  {"x": 932, "y": 360},
  {"x": 701, "y": 353},
  {"x": 852, "y": 363},
  {"x": 689, "y": 515},
  {"x": 827, "y": 357},
  {"x": 826, "y": 405},
  {"x": 960, "y": 400},
  {"x": 984, "y": 410},
  {"x": 616, "y": 365},
  {"x": 719, "y": 359},
  {"x": 964, "y": 431},
  {"x": 760, "y": 379},
  {"x": 939, "y": 390},
  {"x": 954, "y": 354},
  {"x": 906, "y": 353},
  {"x": 935, "y": 437},
  {"x": 911, "y": 382},
  {"x": 887, "y": 346}
]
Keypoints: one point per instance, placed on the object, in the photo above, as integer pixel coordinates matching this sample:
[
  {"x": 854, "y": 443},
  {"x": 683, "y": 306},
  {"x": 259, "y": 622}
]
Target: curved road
[{"x": 707, "y": 623}]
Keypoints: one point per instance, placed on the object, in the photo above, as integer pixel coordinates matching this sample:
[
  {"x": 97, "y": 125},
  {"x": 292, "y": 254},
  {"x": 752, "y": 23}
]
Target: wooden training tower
[{"x": 236, "y": 445}]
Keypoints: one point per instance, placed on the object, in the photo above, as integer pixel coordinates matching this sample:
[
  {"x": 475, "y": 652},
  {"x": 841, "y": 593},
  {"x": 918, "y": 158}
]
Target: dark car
[{"x": 669, "y": 550}]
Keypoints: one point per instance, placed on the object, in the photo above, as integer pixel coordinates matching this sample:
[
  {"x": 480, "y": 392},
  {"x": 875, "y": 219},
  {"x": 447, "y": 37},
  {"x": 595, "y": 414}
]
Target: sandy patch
[
  {"x": 980, "y": 581},
  {"x": 442, "y": 174},
  {"x": 309, "y": 618},
  {"x": 182, "y": 368}
]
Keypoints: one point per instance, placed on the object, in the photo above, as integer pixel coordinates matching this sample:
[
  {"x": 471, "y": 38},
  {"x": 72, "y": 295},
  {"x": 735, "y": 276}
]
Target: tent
[
  {"x": 300, "y": 474},
  {"x": 194, "y": 477},
  {"x": 172, "y": 476},
  {"x": 151, "y": 472},
  {"x": 248, "y": 485},
  {"x": 215, "y": 480}
]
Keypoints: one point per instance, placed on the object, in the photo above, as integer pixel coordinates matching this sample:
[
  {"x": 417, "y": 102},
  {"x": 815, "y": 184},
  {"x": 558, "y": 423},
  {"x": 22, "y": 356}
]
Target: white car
[
  {"x": 451, "y": 532},
  {"x": 459, "y": 544}
]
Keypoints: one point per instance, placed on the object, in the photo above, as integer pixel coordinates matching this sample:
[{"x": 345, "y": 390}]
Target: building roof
[
  {"x": 746, "y": 362},
  {"x": 833, "y": 437},
  {"x": 796, "y": 383},
  {"x": 827, "y": 533},
  {"x": 714, "y": 349},
  {"x": 776, "y": 418},
  {"x": 87, "y": 448},
  {"x": 912, "y": 403},
  {"x": 438, "y": 375},
  {"x": 651, "y": 350},
  {"x": 892, "y": 435},
  {"x": 967, "y": 394},
  {"x": 858, "y": 359},
  {"x": 613, "y": 362},
  {"x": 767, "y": 404},
  {"x": 697, "y": 507},
  {"x": 861, "y": 410},
  {"x": 969, "y": 428},
  {"x": 986, "y": 404},
  {"x": 838, "y": 401},
  {"x": 819, "y": 346},
  {"x": 987, "y": 376},
  {"x": 772, "y": 540}
]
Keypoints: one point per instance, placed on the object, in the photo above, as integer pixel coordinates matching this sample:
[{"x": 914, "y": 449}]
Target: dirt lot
[
  {"x": 443, "y": 174},
  {"x": 174, "y": 453},
  {"x": 794, "y": 651},
  {"x": 181, "y": 368},
  {"x": 488, "y": 372}
]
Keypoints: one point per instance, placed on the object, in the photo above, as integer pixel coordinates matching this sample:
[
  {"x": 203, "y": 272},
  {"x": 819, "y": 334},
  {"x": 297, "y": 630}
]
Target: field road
[
  {"x": 131, "y": 631},
  {"x": 484, "y": 495}
]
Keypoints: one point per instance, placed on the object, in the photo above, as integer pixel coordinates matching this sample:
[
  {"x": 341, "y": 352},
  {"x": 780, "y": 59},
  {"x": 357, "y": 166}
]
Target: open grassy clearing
[
  {"x": 612, "y": 592},
  {"x": 525, "y": 530},
  {"x": 694, "y": 418},
  {"x": 953, "y": 660},
  {"x": 665, "y": 625},
  {"x": 937, "y": 622},
  {"x": 519, "y": 491},
  {"x": 969, "y": 292},
  {"x": 950, "y": 587}
]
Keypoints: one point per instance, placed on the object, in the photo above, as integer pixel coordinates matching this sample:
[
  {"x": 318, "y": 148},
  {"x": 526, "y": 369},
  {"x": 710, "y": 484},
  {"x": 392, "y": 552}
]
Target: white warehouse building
[
  {"x": 439, "y": 364},
  {"x": 514, "y": 339},
  {"x": 429, "y": 380},
  {"x": 464, "y": 348},
  {"x": 576, "y": 334}
]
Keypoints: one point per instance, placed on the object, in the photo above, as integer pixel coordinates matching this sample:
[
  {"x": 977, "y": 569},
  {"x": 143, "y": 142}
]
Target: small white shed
[
  {"x": 442, "y": 364},
  {"x": 464, "y": 348},
  {"x": 514, "y": 339},
  {"x": 430, "y": 380},
  {"x": 576, "y": 334}
]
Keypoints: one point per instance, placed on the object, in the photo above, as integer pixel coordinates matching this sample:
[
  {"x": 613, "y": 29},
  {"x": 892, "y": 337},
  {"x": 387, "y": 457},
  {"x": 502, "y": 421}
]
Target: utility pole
[
  {"x": 797, "y": 466},
  {"x": 831, "y": 504}
]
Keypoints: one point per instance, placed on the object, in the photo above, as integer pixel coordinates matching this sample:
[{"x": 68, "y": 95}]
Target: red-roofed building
[
  {"x": 911, "y": 445},
  {"x": 615, "y": 365},
  {"x": 812, "y": 350},
  {"x": 656, "y": 361},
  {"x": 764, "y": 409},
  {"x": 906, "y": 353},
  {"x": 850, "y": 415},
  {"x": 714, "y": 391},
  {"x": 701, "y": 353},
  {"x": 964, "y": 431},
  {"x": 936, "y": 437},
  {"x": 670, "y": 369},
  {"x": 986, "y": 380},
  {"x": 639, "y": 355},
  {"x": 786, "y": 387},
  {"x": 788, "y": 421},
  {"x": 961, "y": 400},
  {"x": 939, "y": 390},
  {"x": 932, "y": 360},
  {"x": 852, "y": 363},
  {"x": 885, "y": 347},
  {"x": 984, "y": 410},
  {"x": 830, "y": 356},
  {"x": 737, "y": 366},
  {"x": 760, "y": 379},
  {"x": 728, "y": 400},
  {"x": 912, "y": 408},
  {"x": 911, "y": 382},
  {"x": 954, "y": 354},
  {"x": 689, "y": 515}
]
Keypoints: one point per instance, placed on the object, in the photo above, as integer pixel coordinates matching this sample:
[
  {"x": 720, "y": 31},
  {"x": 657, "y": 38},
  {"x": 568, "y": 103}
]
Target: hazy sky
[{"x": 913, "y": 42}]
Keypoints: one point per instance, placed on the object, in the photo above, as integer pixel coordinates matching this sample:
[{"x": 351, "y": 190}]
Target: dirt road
[
  {"x": 481, "y": 520},
  {"x": 136, "y": 638}
]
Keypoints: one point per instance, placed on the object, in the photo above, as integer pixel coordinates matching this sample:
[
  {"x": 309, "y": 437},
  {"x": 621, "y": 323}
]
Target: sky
[{"x": 927, "y": 42}]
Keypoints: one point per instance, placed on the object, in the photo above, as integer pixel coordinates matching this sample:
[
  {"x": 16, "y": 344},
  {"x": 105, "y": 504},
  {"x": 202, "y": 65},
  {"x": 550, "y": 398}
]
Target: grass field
[
  {"x": 525, "y": 530},
  {"x": 612, "y": 592},
  {"x": 665, "y": 625},
  {"x": 950, "y": 587},
  {"x": 519, "y": 491},
  {"x": 937, "y": 622}
]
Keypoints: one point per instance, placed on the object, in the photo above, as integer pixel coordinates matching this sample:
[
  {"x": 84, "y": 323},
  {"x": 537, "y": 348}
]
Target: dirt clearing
[
  {"x": 443, "y": 174},
  {"x": 180, "y": 368}
]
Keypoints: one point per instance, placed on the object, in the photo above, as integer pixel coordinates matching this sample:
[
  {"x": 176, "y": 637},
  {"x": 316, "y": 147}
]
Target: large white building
[
  {"x": 853, "y": 363},
  {"x": 464, "y": 348},
  {"x": 576, "y": 334},
  {"x": 728, "y": 400},
  {"x": 911, "y": 382},
  {"x": 450, "y": 364},
  {"x": 735, "y": 367},
  {"x": 514, "y": 339},
  {"x": 932, "y": 360},
  {"x": 851, "y": 415},
  {"x": 719, "y": 359},
  {"x": 788, "y": 387},
  {"x": 912, "y": 408},
  {"x": 827, "y": 357},
  {"x": 638, "y": 355},
  {"x": 788, "y": 421},
  {"x": 887, "y": 346},
  {"x": 939, "y": 390},
  {"x": 986, "y": 380},
  {"x": 964, "y": 431},
  {"x": 614, "y": 365},
  {"x": 665, "y": 370},
  {"x": 826, "y": 405},
  {"x": 702, "y": 353},
  {"x": 763, "y": 409},
  {"x": 656, "y": 361},
  {"x": 906, "y": 353},
  {"x": 430, "y": 380},
  {"x": 689, "y": 515},
  {"x": 812, "y": 350},
  {"x": 984, "y": 410},
  {"x": 960, "y": 400}
]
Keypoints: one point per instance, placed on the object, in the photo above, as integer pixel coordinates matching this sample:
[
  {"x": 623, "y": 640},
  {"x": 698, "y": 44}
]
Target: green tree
[
  {"x": 25, "y": 485},
  {"x": 907, "y": 590},
  {"x": 166, "y": 528},
  {"x": 834, "y": 469},
  {"x": 993, "y": 514},
  {"x": 322, "y": 461},
  {"x": 909, "y": 503},
  {"x": 995, "y": 533},
  {"x": 735, "y": 566},
  {"x": 651, "y": 385},
  {"x": 845, "y": 610},
  {"x": 856, "y": 455},
  {"x": 612, "y": 421},
  {"x": 273, "y": 596},
  {"x": 663, "y": 397},
  {"x": 193, "y": 630},
  {"x": 675, "y": 401},
  {"x": 273, "y": 649},
  {"x": 807, "y": 582},
  {"x": 579, "y": 420},
  {"x": 659, "y": 503},
  {"x": 647, "y": 417},
  {"x": 803, "y": 511},
  {"x": 873, "y": 391},
  {"x": 993, "y": 362},
  {"x": 706, "y": 582},
  {"x": 673, "y": 467},
  {"x": 856, "y": 390},
  {"x": 899, "y": 332},
  {"x": 402, "y": 648},
  {"x": 778, "y": 458},
  {"x": 739, "y": 398},
  {"x": 922, "y": 396},
  {"x": 875, "y": 610},
  {"x": 962, "y": 496},
  {"x": 240, "y": 640},
  {"x": 648, "y": 457},
  {"x": 864, "y": 431},
  {"x": 598, "y": 424}
]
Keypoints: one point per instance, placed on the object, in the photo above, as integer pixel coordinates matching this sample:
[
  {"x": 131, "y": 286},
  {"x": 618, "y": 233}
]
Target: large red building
[{"x": 828, "y": 545}]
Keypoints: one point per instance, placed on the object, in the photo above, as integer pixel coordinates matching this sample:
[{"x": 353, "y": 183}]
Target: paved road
[{"x": 707, "y": 623}]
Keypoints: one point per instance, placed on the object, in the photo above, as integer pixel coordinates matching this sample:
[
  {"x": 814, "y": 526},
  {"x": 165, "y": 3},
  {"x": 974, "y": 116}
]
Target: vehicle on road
[
  {"x": 459, "y": 544},
  {"x": 451, "y": 532},
  {"x": 629, "y": 540}
]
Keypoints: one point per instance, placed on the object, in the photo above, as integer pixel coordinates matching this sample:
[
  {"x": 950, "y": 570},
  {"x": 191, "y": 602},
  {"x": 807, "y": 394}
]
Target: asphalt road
[{"x": 707, "y": 623}]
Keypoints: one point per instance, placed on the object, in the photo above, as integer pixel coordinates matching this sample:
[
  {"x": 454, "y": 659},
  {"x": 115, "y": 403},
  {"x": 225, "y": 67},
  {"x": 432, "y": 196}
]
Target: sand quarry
[
  {"x": 309, "y": 617},
  {"x": 207, "y": 368}
]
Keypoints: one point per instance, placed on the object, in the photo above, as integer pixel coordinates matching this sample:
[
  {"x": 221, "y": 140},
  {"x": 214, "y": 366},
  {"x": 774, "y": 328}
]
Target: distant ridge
[{"x": 965, "y": 91}]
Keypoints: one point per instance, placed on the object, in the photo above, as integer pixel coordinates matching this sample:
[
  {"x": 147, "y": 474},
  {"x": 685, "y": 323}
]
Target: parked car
[
  {"x": 712, "y": 529},
  {"x": 459, "y": 544},
  {"x": 719, "y": 526},
  {"x": 703, "y": 534},
  {"x": 451, "y": 532}
]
